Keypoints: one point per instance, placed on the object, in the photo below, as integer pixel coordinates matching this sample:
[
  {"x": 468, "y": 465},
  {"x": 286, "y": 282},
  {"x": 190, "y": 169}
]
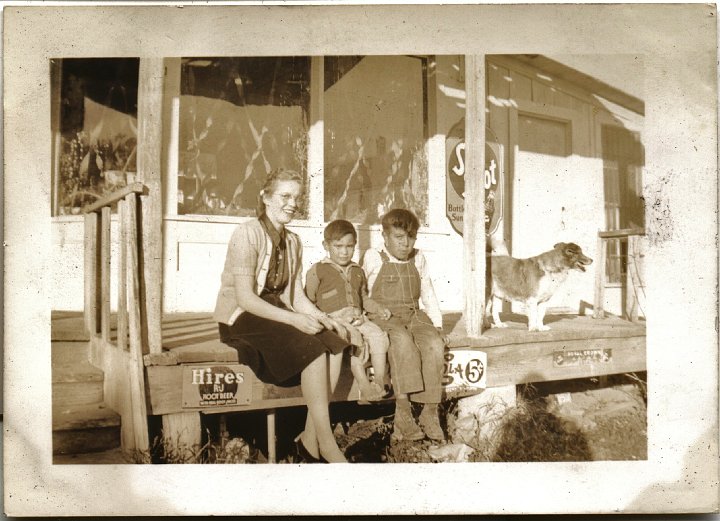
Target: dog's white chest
[{"x": 549, "y": 284}]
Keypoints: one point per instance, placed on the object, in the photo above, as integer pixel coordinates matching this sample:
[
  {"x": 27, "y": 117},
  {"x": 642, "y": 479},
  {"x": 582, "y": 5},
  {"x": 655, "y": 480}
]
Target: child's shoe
[
  {"x": 404, "y": 426},
  {"x": 387, "y": 392},
  {"x": 370, "y": 392},
  {"x": 430, "y": 422}
]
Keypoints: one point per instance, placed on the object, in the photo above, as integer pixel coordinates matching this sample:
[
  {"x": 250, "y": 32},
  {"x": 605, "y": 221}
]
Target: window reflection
[
  {"x": 375, "y": 135},
  {"x": 96, "y": 145},
  {"x": 239, "y": 119}
]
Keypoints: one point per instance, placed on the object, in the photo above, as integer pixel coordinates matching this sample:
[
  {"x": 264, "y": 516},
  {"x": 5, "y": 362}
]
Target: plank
[
  {"x": 149, "y": 165},
  {"x": 116, "y": 391},
  {"x": 105, "y": 273},
  {"x": 137, "y": 188},
  {"x": 542, "y": 93},
  {"x": 474, "y": 220},
  {"x": 315, "y": 146},
  {"x": 70, "y": 363},
  {"x": 563, "y": 328},
  {"x": 632, "y": 281},
  {"x": 520, "y": 86},
  {"x": 76, "y": 390},
  {"x": 84, "y": 417},
  {"x": 625, "y": 232},
  {"x": 182, "y": 429},
  {"x": 165, "y": 392},
  {"x": 599, "y": 311},
  {"x": 69, "y": 330},
  {"x": 134, "y": 368},
  {"x": 208, "y": 350},
  {"x": 498, "y": 122},
  {"x": 533, "y": 362},
  {"x": 84, "y": 441},
  {"x": 122, "y": 277},
  {"x": 90, "y": 272}
]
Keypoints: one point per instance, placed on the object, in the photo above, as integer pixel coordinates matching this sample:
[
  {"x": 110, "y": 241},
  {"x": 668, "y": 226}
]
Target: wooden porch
[
  {"x": 515, "y": 355},
  {"x": 575, "y": 347}
]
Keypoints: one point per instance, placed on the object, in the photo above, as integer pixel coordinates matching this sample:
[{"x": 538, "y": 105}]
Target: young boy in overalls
[{"x": 398, "y": 278}]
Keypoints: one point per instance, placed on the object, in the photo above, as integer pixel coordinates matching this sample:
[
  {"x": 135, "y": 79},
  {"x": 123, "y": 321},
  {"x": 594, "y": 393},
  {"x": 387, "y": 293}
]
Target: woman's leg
[
  {"x": 334, "y": 367},
  {"x": 309, "y": 436},
  {"x": 315, "y": 389}
]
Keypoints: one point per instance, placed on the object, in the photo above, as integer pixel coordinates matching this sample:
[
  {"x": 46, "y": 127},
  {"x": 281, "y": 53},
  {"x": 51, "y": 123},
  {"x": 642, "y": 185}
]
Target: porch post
[
  {"x": 474, "y": 218},
  {"x": 149, "y": 166}
]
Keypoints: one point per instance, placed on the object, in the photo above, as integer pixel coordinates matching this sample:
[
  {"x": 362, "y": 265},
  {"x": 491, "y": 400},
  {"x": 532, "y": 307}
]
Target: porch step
[
  {"x": 106, "y": 457},
  {"x": 74, "y": 380},
  {"x": 85, "y": 428},
  {"x": 82, "y": 423}
]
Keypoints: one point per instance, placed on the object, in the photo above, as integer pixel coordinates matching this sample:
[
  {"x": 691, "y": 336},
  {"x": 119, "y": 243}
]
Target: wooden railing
[
  {"x": 633, "y": 277},
  {"x": 120, "y": 357}
]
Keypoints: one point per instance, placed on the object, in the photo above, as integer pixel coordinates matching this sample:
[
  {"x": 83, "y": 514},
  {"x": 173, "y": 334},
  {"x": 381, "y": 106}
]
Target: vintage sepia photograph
[
  {"x": 153, "y": 360},
  {"x": 425, "y": 260}
]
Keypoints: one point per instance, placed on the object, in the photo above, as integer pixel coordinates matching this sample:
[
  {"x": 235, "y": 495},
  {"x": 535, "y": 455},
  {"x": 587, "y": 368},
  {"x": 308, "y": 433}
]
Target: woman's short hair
[
  {"x": 338, "y": 229},
  {"x": 403, "y": 219},
  {"x": 274, "y": 176}
]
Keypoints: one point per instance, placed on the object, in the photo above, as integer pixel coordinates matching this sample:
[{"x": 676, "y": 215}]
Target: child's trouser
[
  {"x": 367, "y": 332},
  {"x": 415, "y": 355}
]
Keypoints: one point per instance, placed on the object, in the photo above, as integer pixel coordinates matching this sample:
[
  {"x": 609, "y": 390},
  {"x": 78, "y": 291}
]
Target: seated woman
[{"x": 263, "y": 312}]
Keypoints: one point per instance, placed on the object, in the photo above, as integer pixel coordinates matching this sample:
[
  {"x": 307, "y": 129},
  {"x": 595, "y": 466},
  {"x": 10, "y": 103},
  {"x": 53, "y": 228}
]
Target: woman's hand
[
  {"x": 307, "y": 323},
  {"x": 330, "y": 323}
]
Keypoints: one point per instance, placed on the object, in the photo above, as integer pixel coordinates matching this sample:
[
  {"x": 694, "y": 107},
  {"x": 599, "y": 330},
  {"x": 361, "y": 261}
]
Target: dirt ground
[
  {"x": 582, "y": 420},
  {"x": 575, "y": 420}
]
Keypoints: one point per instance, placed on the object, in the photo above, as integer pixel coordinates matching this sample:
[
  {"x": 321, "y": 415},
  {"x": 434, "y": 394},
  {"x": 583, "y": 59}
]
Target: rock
[
  {"x": 479, "y": 415},
  {"x": 455, "y": 452},
  {"x": 465, "y": 429}
]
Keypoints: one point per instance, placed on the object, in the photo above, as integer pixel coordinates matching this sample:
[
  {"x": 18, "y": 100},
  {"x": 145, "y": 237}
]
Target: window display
[
  {"x": 239, "y": 119},
  {"x": 95, "y": 129},
  {"x": 375, "y": 137}
]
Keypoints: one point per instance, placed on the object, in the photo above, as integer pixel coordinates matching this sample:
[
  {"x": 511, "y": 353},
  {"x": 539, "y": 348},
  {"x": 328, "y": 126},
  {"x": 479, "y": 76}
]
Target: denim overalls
[{"x": 416, "y": 348}]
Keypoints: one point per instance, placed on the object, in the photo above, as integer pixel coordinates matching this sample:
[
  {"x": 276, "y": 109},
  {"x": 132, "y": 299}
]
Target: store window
[
  {"x": 239, "y": 119},
  {"x": 375, "y": 112},
  {"x": 95, "y": 129}
]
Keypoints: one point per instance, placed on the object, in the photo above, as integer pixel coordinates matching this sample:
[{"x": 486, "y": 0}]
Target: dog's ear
[{"x": 559, "y": 246}]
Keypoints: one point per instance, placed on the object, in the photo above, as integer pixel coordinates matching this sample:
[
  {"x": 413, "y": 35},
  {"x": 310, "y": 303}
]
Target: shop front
[{"x": 563, "y": 159}]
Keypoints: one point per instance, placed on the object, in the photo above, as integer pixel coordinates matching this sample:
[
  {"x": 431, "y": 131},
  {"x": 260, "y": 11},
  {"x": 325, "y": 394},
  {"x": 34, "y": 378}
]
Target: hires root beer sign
[
  {"x": 455, "y": 180},
  {"x": 216, "y": 385}
]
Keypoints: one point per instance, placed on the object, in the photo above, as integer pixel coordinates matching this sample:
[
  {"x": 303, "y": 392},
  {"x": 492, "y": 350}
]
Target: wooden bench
[{"x": 575, "y": 347}]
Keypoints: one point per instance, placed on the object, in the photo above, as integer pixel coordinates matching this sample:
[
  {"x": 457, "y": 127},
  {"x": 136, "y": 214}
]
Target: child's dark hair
[
  {"x": 338, "y": 229},
  {"x": 403, "y": 219}
]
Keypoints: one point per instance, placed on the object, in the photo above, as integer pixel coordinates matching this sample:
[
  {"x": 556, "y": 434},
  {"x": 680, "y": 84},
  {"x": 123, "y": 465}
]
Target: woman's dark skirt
[{"x": 276, "y": 352}]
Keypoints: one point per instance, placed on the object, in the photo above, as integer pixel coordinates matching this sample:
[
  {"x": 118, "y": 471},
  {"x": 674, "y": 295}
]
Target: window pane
[
  {"x": 239, "y": 119},
  {"x": 375, "y": 135},
  {"x": 97, "y": 139}
]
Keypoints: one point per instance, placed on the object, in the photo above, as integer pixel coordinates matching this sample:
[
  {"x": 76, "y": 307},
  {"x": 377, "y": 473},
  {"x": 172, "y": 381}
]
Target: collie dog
[{"x": 532, "y": 281}]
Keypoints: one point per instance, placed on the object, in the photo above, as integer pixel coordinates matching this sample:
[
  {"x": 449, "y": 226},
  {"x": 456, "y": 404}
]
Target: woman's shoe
[{"x": 302, "y": 455}]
